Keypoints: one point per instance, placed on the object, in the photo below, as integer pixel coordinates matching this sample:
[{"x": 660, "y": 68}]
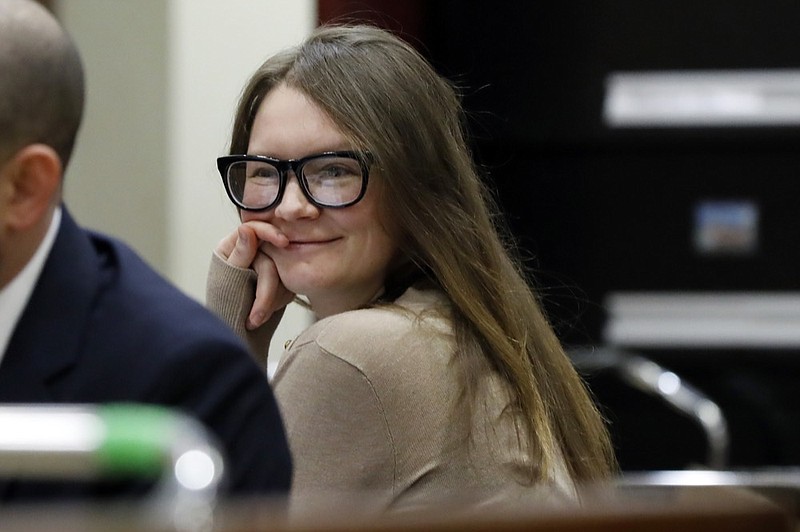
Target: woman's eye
[{"x": 267, "y": 173}]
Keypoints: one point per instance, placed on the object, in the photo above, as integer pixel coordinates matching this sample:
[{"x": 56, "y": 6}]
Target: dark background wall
[{"x": 597, "y": 209}]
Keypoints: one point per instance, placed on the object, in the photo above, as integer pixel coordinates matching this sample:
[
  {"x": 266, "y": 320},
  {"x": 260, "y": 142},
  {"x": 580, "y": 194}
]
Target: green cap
[{"x": 137, "y": 439}]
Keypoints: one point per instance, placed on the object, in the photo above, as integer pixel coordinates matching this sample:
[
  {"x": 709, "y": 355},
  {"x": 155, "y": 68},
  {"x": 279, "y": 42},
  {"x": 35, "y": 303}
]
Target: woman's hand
[{"x": 244, "y": 248}]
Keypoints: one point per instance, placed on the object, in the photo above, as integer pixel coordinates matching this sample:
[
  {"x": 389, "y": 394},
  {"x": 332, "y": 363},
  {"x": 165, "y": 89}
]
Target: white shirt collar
[{"x": 14, "y": 296}]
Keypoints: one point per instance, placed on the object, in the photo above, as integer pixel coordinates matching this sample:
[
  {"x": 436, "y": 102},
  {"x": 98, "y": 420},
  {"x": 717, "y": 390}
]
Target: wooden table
[{"x": 695, "y": 509}]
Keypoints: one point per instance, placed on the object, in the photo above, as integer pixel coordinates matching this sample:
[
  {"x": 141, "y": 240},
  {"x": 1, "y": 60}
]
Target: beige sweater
[{"x": 370, "y": 402}]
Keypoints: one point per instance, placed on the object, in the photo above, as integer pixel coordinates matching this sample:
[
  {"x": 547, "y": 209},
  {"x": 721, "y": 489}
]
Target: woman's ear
[{"x": 31, "y": 186}]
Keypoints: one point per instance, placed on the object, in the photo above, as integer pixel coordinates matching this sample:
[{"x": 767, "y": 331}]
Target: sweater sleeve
[{"x": 230, "y": 292}]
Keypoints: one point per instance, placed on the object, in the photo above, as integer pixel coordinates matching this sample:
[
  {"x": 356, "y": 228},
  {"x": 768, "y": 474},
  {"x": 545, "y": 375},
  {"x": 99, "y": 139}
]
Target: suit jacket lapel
[
  {"x": 48, "y": 337},
  {"x": 47, "y": 340}
]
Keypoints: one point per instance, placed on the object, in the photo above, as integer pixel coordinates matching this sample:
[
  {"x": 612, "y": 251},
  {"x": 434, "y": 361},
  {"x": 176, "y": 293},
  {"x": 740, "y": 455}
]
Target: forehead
[{"x": 288, "y": 124}]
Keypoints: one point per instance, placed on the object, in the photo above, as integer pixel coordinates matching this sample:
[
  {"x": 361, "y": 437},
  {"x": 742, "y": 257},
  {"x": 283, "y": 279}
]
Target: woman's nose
[{"x": 294, "y": 203}]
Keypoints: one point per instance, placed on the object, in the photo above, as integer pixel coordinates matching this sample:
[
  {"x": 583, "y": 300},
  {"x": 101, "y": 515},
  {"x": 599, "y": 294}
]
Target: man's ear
[{"x": 32, "y": 183}]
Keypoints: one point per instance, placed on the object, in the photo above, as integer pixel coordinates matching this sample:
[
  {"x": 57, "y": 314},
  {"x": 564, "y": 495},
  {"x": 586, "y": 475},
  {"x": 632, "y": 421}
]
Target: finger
[
  {"x": 266, "y": 232},
  {"x": 271, "y": 294},
  {"x": 245, "y": 248},
  {"x": 226, "y": 245}
]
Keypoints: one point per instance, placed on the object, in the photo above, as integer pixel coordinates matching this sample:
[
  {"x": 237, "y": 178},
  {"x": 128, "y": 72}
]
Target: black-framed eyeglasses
[{"x": 330, "y": 179}]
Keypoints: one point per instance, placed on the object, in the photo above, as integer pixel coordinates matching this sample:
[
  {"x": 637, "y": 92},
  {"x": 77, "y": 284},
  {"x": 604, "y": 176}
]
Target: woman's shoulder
[
  {"x": 414, "y": 310},
  {"x": 416, "y": 322}
]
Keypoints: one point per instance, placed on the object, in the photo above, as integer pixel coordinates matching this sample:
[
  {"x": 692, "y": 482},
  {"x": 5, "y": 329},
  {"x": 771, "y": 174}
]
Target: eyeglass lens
[{"x": 330, "y": 181}]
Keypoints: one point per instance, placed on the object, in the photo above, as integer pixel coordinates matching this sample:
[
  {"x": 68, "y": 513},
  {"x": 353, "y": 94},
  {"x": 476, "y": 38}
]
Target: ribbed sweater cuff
[{"x": 230, "y": 292}]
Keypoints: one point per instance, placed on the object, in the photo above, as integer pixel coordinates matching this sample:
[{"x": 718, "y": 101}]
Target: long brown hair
[{"x": 387, "y": 98}]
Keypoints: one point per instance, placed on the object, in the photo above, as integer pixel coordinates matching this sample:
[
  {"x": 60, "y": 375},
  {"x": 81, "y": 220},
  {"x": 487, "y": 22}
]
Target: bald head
[{"x": 41, "y": 81}]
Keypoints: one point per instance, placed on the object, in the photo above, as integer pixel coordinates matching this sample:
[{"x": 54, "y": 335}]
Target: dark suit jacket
[{"x": 101, "y": 326}]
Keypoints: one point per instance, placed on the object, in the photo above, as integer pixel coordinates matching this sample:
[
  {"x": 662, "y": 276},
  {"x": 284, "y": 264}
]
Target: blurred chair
[{"x": 657, "y": 419}]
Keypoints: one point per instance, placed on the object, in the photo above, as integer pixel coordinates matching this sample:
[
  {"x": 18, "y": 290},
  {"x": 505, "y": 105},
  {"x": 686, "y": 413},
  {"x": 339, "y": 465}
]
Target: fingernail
[{"x": 255, "y": 320}]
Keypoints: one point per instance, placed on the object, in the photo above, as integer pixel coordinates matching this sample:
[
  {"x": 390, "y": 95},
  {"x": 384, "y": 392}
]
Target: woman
[{"x": 431, "y": 369}]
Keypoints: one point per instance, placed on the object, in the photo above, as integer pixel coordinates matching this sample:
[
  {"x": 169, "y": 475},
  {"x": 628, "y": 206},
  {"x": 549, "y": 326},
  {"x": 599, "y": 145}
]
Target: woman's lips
[{"x": 308, "y": 244}]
